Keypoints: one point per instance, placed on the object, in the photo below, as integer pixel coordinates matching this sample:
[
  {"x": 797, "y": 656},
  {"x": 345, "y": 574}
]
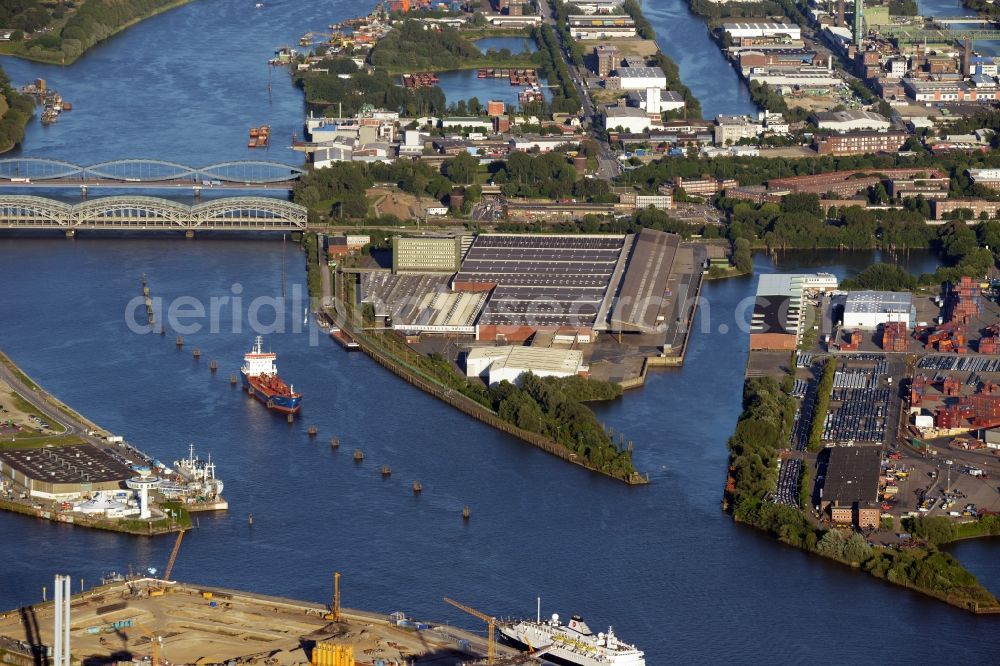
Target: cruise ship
[
  {"x": 572, "y": 643},
  {"x": 261, "y": 380}
]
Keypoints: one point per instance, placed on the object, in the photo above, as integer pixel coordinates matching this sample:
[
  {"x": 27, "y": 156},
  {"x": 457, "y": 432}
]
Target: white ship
[
  {"x": 199, "y": 475},
  {"x": 572, "y": 643}
]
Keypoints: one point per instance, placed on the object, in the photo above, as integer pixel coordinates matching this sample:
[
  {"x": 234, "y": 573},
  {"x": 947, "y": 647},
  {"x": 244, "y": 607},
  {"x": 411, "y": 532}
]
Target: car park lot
[{"x": 789, "y": 474}]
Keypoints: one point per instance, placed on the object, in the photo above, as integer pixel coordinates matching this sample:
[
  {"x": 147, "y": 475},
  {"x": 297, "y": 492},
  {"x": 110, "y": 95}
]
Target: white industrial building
[
  {"x": 851, "y": 120},
  {"x": 640, "y": 78},
  {"x": 510, "y": 363},
  {"x": 870, "y": 309},
  {"x": 630, "y": 119},
  {"x": 762, "y": 29},
  {"x": 669, "y": 100},
  {"x": 595, "y": 6}
]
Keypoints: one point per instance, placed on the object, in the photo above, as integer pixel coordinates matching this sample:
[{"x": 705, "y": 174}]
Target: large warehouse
[
  {"x": 870, "y": 309},
  {"x": 426, "y": 254},
  {"x": 63, "y": 472},
  {"x": 776, "y": 323},
  {"x": 850, "y": 490},
  {"x": 509, "y": 363},
  {"x": 642, "y": 302},
  {"x": 540, "y": 281}
]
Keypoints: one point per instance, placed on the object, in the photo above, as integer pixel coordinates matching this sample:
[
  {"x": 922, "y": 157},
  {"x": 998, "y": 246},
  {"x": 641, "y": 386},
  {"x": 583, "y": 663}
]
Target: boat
[
  {"x": 344, "y": 339},
  {"x": 199, "y": 475},
  {"x": 571, "y": 643},
  {"x": 259, "y": 5},
  {"x": 261, "y": 380}
]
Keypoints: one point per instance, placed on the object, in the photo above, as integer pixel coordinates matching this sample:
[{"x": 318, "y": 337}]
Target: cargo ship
[
  {"x": 572, "y": 643},
  {"x": 260, "y": 379}
]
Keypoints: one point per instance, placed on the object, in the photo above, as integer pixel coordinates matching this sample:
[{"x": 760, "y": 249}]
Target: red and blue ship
[{"x": 261, "y": 380}]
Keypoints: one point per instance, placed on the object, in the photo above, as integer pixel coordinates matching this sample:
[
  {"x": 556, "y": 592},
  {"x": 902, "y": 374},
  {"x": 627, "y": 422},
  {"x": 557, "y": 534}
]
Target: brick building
[{"x": 859, "y": 143}]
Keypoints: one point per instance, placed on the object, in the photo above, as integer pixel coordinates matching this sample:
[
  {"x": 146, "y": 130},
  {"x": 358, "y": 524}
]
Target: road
[
  {"x": 40, "y": 399},
  {"x": 608, "y": 166}
]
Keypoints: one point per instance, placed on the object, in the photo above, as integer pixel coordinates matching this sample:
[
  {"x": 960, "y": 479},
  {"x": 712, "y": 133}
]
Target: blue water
[
  {"x": 513, "y": 44},
  {"x": 466, "y": 84},
  {"x": 684, "y": 37},
  {"x": 661, "y": 563}
]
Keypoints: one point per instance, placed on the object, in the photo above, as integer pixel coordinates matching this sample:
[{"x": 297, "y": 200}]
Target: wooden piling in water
[
  {"x": 179, "y": 341},
  {"x": 334, "y": 443},
  {"x": 358, "y": 455},
  {"x": 291, "y": 418},
  {"x": 214, "y": 365},
  {"x": 232, "y": 380},
  {"x": 197, "y": 353},
  {"x": 417, "y": 487},
  {"x": 386, "y": 471},
  {"x": 466, "y": 512},
  {"x": 312, "y": 431}
]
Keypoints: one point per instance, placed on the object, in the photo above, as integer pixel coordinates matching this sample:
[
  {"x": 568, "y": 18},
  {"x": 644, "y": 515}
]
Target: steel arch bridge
[
  {"x": 254, "y": 172},
  {"x": 133, "y": 213}
]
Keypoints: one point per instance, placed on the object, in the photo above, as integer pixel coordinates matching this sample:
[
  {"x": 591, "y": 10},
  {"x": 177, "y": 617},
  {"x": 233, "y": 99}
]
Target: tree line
[
  {"x": 763, "y": 428},
  {"x": 15, "y": 112}
]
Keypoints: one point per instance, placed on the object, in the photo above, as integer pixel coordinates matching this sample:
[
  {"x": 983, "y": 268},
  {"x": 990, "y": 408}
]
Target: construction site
[{"x": 151, "y": 621}]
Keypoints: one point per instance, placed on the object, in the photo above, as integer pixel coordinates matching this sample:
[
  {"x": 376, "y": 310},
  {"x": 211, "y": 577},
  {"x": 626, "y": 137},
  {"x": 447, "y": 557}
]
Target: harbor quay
[
  {"x": 149, "y": 621},
  {"x": 59, "y": 466}
]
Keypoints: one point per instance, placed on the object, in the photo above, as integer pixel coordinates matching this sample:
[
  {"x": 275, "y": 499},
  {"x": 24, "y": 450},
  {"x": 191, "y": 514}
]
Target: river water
[{"x": 661, "y": 563}]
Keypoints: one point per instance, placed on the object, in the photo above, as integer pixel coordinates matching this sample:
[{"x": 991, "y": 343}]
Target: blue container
[{"x": 213, "y": 604}]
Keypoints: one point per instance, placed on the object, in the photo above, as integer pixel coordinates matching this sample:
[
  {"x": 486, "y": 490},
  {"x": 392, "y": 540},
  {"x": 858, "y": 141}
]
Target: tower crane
[
  {"x": 160, "y": 589},
  {"x": 491, "y": 623}
]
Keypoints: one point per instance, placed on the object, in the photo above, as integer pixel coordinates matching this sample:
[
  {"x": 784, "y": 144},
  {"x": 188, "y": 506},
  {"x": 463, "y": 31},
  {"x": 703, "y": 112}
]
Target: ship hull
[
  {"x": 280, "y": 403},
  {"x": 560, "y": 656}
]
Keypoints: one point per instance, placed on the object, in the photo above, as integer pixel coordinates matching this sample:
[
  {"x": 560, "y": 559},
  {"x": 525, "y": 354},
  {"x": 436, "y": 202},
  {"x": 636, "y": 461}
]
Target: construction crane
[
  {"x": 160, "y": 589},
  {"x": 491, "y": 623},
  {"x": 155, "y": 639},
  {"x": 334, "y": 613}
]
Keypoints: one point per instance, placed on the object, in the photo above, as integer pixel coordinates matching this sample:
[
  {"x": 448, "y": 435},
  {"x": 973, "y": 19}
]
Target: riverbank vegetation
[
  {"x": 326, "y": 91},
  {"x": 550, "y": 407},
  {"x": 410, "y": 47},
  {"x": 763, "y": 428},
  {"x": 74, "y": 27},
  {"x": 15, "y": 112}
]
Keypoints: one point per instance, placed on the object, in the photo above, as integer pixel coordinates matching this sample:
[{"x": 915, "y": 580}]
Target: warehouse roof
[
  {"x": 848, "y": 115},
  {"x": 541, "y": 280},
  {"x": 639, "y": 72},
  {"x": 644, "y": 285},
  {"x": 538, "y": 359},
  {"x": 896, "y": 302},
  {"x": 852, "y": 475},
  {"x": 66, "y": 464}
]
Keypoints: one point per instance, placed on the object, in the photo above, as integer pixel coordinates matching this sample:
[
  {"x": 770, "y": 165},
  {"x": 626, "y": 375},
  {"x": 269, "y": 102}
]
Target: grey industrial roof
[
  {"x": 639, "y": 72},
  {"x": 878, "y": 301},
  {"x": 66, "y": 464},
  {"x": 542, "y": 280},
  {"x": 852, "y": 474},
  {"x": 644, "y": 285}
]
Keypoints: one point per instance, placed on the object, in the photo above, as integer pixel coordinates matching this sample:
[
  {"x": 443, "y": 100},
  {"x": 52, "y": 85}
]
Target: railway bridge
[
  {"x": 146, "y": 174},
  {"x": 141, "y": 213}
]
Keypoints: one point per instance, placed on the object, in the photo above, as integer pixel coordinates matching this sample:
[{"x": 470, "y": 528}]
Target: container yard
[{"x": 143, "y": 622}]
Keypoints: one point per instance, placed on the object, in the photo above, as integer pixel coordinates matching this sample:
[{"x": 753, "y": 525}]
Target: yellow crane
[
  {"x": 155, "y": 639},
  {"x": 491, "y": 623},
  {"x": 334, "y": 613},
  {"x": 160, "y": 589}
]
